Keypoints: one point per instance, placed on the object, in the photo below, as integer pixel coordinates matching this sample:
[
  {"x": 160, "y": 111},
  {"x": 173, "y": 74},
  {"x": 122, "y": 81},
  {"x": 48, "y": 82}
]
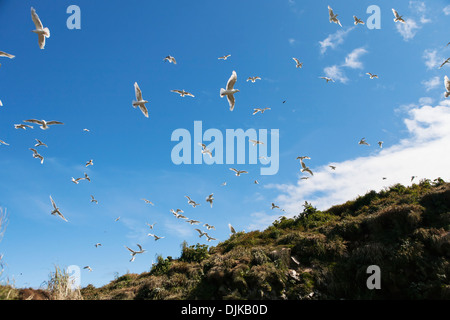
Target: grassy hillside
[{"x": 403, "y": 230}]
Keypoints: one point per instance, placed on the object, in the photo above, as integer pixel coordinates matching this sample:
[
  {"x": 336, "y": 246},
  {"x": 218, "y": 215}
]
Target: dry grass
[{"x": 60, "y": 285}]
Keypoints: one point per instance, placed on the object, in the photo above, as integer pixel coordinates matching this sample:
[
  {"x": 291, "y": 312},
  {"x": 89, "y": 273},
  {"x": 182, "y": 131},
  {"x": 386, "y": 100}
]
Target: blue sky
[{"x": 85, "y": 79}]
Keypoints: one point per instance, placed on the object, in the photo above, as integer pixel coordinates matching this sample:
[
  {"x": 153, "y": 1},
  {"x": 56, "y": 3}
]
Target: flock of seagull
[{"x": 229, "y": 92}]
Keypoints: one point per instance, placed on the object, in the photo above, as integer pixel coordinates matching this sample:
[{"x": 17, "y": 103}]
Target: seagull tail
[{"x": 222, "y": 92}]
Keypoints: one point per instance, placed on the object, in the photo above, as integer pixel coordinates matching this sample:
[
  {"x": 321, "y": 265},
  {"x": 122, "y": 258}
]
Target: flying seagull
[
  {"x": 275, "y": 206},
  {"x": 233, "y": 231},
  {"x": 139, "y": 102},
  {"x": 150, "y": 225},
  {"x": 192, "y": 202},
  {"x": 22, "y": 126},
  {"x": 183, "y": 93},
  {"x": 380, "y": 144},
  {"x": 210, "y": 199},
  {"x": 298, "y": 63},
  {"x": 209, "y": 227},
  {"x": 371, "y": 75},
  {"x": 7, "y": 55},
  {"x": 86, "y": 130},
  {"x": 255, "y": 142},
  {"x": 446, "y": 61},
  {"x": 98, "y": 245},
  {"x": 90, "y": 163},
  {"x": 201, "y": 233},
  {"x": 398, "y": 18},
  {"x": 225, "y": 57},
  {"x": 238, "y": 172},
  {"x": 154, "y": 236},
  {"x": 230, "y": 91},
  {"x": 56, "y": 210},
  {"x": 333, "y": 17},
  {"x": 3, "y": 142},
  {"x": 412, "y": 178},
  {"x": 134, "y": 253},
  {"x": 209, "y": 238},
  {"x": 358, "y": 21},
  {"x": 37, "y": 155},
  {"x": 148, "y": 201},
  {"x": 44, "y": 125},
  {"x": 93, "y": 199},
  {"x": 76, "y": 181},
  {"x": 253, "y": 79},
  {"x": 205, "y": 149},
  {"x": 40, "y": 30},
  {"x": 447, "y": 87},
  {"x": 256, "y": 182},
  {"x": 327, "y": 79},
  {"x": 305, "y": 168},
  {"x": 89, "y": 268},
  {"x": 39, "y": 143},
  {"x": 86, "y": 177},
  {"x": 363, "y": 141},
  {"x": 256, "y": 110},
  {"x": 192, "y": 221},
  {"x": 333, "y": 167},
  {"x": 170, "y": 59}
]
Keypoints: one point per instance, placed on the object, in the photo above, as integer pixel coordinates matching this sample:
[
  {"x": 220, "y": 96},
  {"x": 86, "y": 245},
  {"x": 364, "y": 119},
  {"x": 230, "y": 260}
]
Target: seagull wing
[
  {"x": 233, "y": 169},
  {"x": 36, "y": 20},
  {"x": 54, "y": 122},
  {"x": 144, "y": 110},
  {"x": 232, "y": 81},
  {"x": 140, "y": 248},
  {"x": 231, "y": 101},
  {"x": 41, "y": 41},
  {"x": 53, "y": 203},
  {"x": 330, "y": 12},
  {"x": 34, "y": 121},
  {"x": 4, "y": 54},
  {"x": 447, "y": 83},
  {"x": 395, "y": 13},
  {"x": 138, "y": 92}
]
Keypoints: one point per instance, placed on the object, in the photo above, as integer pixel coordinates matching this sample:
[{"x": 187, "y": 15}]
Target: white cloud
[
  {"x": 424, "y": 154},
  {"x": 426, "y": 101},
  {"x": 333, "y": 40},
  {"x": 408, "y": 29},
  {"x": 447, "y": 10},
  {"x": 431, "y": 84},
  {"x": 335, "y": 73},
  {"x": 432, "y": 60},
  {"x": 291, "y": 41},
  {"x": 352, "y": 59}
]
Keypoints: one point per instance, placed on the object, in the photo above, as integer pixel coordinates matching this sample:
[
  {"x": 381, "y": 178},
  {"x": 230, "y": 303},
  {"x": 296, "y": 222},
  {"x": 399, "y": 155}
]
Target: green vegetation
[{"x": 315, "y": 255}]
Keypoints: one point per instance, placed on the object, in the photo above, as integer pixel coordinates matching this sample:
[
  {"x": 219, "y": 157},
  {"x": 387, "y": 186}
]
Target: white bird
[
  {"x": 298, "y": 63},
  {"x": 398, "y": 18},
  {"x": 56, "y": 210},
  {"x": 44, "y": 125},
  {"x": 90, "y": 163},
  {"x": 256, "y": 182},
  {"x": 238, "y": 172},
  {"x": 327, "y": 79},
  {"x": 170, "y": 59},
  {"x": 155, "y": 236},
  {"x": 201, "y": 233},
  {"x": 275, "y": 206},
  {"x": 192, "y": 202},
  {"x": 86, "y": 130},
  {"x": 7, "y": 55},
  {"x": 256, "y": 110},
  {"x": 36, "y": 155},
  {"x": 223, "y": 184},
  {"x": 98, "y": 245},
  {"x": 371, "y": 75},
  {"x": 40, "y": 30},
  {"x": 76, "y": 181},
  {"x": 230, "y": 91},
  {"x": 447, "y": 87},
  {"x": 333, "y": 167},
  {"x": 445, "y": 62},
  {"x": 22, "y": 126},
  {"x": 363, "y": 142},
  {"x": 233, "y": 231},
  {"x": 205, "y": 149},
  {"x": 192, "y": 221},
  {"x": 39, "y": 143},
  {"x": 358, "y": 21},
  {"x": 148, "y": 201},
  {"x": 93, "y": 199},
  {"x": 178, "y": 215},
  {"x": 89, "y": 268},
  {"x": 140, "y": 102},
  {"x": 209, "y": 238},
  {"x": 255, "y": 142},
  {"x": 183, "y": 93},
  {"x": 225, "y": 57},
  {"x": 305, "y": 168},
  {"x": 303, "y": 157},
  {"x": 117, "y": 219},
  {"x": 134, "y": 253},
  {"x": 210, "y": 199},
  {"x": 150, "y": 225},
  {"x": 333, "y": 16},
  {"x": 380, "y": 144},
  {"x": 209, "y": 227},
  {"x": 253, "y": 79}
]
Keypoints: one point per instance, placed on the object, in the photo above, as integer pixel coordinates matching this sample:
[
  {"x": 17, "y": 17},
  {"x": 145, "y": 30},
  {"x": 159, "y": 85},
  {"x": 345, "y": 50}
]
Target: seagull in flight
[
  {"x": 357, "y": 21},
  {"x": 305, "y": 168},
  {"x": 445, "y": 62},
  {"x": 76, "y": 181},
  {"x": 447, "y": 87},
  {"x": 225, "y": 57},
  {"x": 238, "y": 172},
  {"x": 192, "y": 202},
  {"x": 209, "y": 238},
  {"x": 380, "y": 144},
  {"x": 233, "y": 231},
  {"x": 37, "y": 155},
  {"x": 148, "y": 201},
  {"x": 40, "y": 30},
  {"x": 134, "y": 253},
  {"x": 155, "y": 236},
  {"x": 22, "y": 126},
  {"x": 210, "y": 199},
  {"x": 39, "y": 143},
  {"x": 230, "y": 91},
  {"x": 150, "y": 225},
  {"x": 371, "y": 75},
  {"x": 301, "y": 158},
  {"x": 201, "y": 233},
  {"x": 93, "y": 199},
  {"x": 170, "y": 59},
  {"x": 275, "y": 206},
  {"x": 7, "y": 55},
  {"x": 56, "y": 210},
  {"x": 44, "y": 125},
  {"x": 183, "y": 93},
  {"x": 298, "y": 63},
  {"x": 139, "y": 102},
  {"x": 209, "y": 227},
  {"x": 89, "y": 268},
  {"x": 205, "y": 149},
  {"x": 255, "y": 142},
  {"x": 398, "y": 18},
  {"x": 253, "y": 79},
  {"x": 90, "y": 163},
  {"x": 86, "y": 177},
  {"x": 333, "y": 167},
  {"x": 192, "y": 221},
  {"x": 98, "y": 245},
  {"x": 412, "y": 178},
  {"x": 327, "y": 79},
  {"x": 363, "y": 141},
  {"x": 333, "y": 16},
  {"x": 256, "y": 110}
]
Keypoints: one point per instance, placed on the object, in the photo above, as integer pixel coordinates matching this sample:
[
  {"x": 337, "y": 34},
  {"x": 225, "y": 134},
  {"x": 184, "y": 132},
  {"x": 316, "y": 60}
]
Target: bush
[{"x": 194, "y": 253}]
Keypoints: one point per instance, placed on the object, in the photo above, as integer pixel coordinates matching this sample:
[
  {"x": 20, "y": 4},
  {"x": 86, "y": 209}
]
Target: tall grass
[{"x": 59, "y": 286}]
